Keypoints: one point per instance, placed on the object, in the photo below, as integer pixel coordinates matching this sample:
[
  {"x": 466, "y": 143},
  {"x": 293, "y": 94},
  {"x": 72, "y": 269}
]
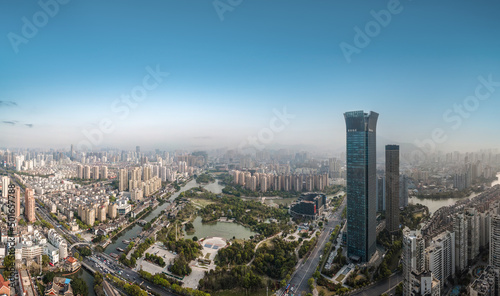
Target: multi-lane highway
[{"x": 307, "y": 267}]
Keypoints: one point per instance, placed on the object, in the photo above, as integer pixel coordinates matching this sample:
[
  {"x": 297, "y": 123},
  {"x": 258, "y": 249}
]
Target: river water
[
  {"x": 136, "y": 229},
  {"x": 435, "y": 204},
  {"x": 89, "y": 280}
]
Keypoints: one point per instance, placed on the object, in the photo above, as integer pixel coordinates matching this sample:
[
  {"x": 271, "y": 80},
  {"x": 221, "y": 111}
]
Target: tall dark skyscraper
[
  {"x": 392, "y": 187},
  {"x": 138, "y": 149},
  {"x": 361, "y": 184}
]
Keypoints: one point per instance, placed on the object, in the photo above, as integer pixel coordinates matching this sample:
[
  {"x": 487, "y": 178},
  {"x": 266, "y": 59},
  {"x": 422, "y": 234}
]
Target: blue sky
[{"x": 226, "y": 76}]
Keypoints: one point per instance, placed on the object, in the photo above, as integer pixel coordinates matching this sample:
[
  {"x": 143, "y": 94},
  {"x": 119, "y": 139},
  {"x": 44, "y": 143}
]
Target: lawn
[
  {"x": 340, "y": 278},
  {"x": 268, "y": 242},
  {"x": 418, "y": 215},
  {"x": 201, "y": 202},
  {"x": 393, "y": 264},
  {"x": 325, "y": 290}
]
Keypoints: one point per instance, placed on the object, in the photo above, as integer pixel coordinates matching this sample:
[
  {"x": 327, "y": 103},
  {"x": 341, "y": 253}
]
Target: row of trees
[
  {"x": 306, "y": 246},
  {"x": 139, "y": 251},
  {"x": 277, "y": 261},
  {"x": 180, "y": 266},
  {"x": 132, "y": 290},
  {"x": 226, "y": 279},
  {"x": 155, "y": 259},
  {"x": 236, "y": 254},
  {"x": 186, "y": 249},
  {"x": 205, "y": 178},
  {"x": 98, "y": 287},
  {"x": 170, "y": 284}
]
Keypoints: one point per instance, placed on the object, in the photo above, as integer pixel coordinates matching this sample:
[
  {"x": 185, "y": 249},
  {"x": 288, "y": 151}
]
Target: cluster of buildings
[
  {"x": 46, "y": 185},
  {"x": 271, "y": 182},
  {"x": 470, "y": 172},
  {"x": 59, "y": 287},
  {"x": 100, "y": 212},
  {"x": 65, "y": 203},
  {"x": 139, "y": 181},
  {"x": 29, "y": 201},
  {"x": 32, "y": 243},
  {"x": 94, "y": 172},
  {"x": 144, "y": 180},
  {"x": 459, "y": 172},
  {"x": 452, "y": 252},
  {"x": 309, "y": 206}
]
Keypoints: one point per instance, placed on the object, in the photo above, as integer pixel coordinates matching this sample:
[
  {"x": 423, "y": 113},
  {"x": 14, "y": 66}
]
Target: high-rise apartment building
[
  {"x": 17, "y": 203},
  {"x": 112, "y": 211},
  {"x": 123, "y": 180},
  {"x": 29, "y": 205},
  {"x": 392, "y": 188},
  {"x": 104, "y": 172},
  {"x": 413, "y": 258},
  {"x": 361, "y": 184},
  {"x": 89, "y": 216},
  {"x": 5, "y": 186},
  {"x": 460, "y": 230},
  {"x": 86, "y": 172},
  {"x": 440, "y": 256},
  {"x": 95, "y": 172},
  {"x": 147, "y": 173},
  {"x": 79, "y": 171},
  {"x": 101, "y": 213},
  {"x": 472, "y": 224},
  {"x": 495, "y": 241}
]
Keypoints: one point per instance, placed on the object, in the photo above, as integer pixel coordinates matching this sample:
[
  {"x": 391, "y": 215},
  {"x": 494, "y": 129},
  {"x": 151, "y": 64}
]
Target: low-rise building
[
  {"x": 59, "y": 287},
  {"x": 4, "y": 286},
  {"x": 25, "y": 283},
  {"x": 72, "y": 264},
  {"x": 52, "y": 252},
  {"x": 486, "y": 284}
]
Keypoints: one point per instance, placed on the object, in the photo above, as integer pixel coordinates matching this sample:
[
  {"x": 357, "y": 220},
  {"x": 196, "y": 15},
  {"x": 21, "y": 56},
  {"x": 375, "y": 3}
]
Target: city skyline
[
  {"x": 227, "y": 76},
  {"x": 231, "y": 147}
]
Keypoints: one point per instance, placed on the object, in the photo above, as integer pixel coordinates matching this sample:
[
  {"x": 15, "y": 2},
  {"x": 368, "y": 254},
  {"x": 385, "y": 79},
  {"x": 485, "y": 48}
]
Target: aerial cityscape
[{"x": 232, "y": 147}]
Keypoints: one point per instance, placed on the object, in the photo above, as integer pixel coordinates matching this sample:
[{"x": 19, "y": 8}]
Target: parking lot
[{"x": 159, "y": 251}]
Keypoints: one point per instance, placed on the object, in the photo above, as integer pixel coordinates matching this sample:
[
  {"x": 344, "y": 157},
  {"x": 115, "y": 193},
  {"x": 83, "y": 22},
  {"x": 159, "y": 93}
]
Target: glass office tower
[
  {"x": 361, "y": 184},
  {"x": 392, "y": 188}
]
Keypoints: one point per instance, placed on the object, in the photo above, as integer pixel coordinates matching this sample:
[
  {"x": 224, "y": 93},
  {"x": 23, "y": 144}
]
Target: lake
[{"x": 220, "y": 229}]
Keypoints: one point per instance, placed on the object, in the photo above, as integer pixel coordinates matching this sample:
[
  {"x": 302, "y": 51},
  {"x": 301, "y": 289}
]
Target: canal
[
  {"x": 89, "y": 280},
  {"x": 134, "y": 230}
]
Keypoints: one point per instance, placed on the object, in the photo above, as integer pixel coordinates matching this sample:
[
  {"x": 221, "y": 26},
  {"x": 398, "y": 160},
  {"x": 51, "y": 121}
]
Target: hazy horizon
[{"x": 229, "y": 76}]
